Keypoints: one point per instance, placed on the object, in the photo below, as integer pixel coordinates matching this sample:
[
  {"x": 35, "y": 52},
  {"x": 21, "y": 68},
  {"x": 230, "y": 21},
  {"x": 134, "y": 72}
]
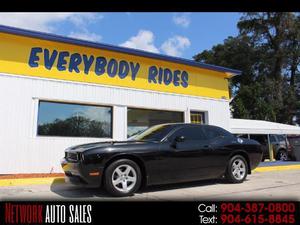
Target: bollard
[{"x": 271, "y": 148}]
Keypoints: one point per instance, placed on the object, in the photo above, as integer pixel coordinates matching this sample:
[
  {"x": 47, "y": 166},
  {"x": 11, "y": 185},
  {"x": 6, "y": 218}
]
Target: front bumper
[{"x": 81, "y": 174}]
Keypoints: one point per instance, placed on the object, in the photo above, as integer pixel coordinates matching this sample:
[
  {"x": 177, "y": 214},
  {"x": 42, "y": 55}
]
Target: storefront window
[
  {"x": 139, "y": 120},
  {"x": 74, "y": 120}
]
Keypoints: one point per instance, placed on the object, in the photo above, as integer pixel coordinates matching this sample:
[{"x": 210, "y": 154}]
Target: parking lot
[{"x": 280, "y": 184}]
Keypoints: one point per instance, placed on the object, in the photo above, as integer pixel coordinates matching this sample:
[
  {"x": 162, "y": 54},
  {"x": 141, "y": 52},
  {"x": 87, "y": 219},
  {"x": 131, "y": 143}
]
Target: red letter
[
  {"x": 40, "y": 213},
  {"x": 7, "y": 212}
]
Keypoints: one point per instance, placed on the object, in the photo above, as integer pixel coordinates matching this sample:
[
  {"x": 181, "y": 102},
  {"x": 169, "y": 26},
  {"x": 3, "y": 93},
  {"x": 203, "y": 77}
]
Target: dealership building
[{"x": 57, "y": 92}]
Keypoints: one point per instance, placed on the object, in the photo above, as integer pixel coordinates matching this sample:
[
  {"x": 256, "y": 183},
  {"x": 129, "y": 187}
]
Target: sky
[{"x": 175, "y": 34}]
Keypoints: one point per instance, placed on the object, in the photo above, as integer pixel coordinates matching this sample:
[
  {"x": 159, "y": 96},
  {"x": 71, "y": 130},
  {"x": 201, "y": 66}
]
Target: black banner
[
  {"x": 154, "y": 5},
  {"x": 138, "y": 212}
]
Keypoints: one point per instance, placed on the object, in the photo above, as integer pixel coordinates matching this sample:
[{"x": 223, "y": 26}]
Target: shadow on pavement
[
  {"x": 59, "y": 187},
  {"x": 64, "y": 190},
  {"x": 169, "y": 187}
]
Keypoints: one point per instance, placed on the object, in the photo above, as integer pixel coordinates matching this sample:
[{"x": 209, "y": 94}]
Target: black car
[{"x": 166, "y": 153}]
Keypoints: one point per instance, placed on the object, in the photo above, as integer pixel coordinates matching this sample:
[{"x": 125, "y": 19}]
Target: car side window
[
  {"x": 280, "y": 138},
  {"x": 272, "y": 139},
  {"x": 189, "y": 133},
  {"x": 242, "y": 135},
  {"x": 261, "y": 138},
  {"x": 214, "y": 132}
]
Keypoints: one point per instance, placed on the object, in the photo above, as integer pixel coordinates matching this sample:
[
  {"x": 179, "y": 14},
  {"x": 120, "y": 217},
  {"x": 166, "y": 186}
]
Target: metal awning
[{"x": 244, "y": 126}]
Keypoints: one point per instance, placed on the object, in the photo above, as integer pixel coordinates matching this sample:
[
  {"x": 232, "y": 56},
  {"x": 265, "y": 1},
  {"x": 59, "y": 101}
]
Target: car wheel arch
[
  {"x": 135, "y": 159},
  {"x": 245, "y": 155}
]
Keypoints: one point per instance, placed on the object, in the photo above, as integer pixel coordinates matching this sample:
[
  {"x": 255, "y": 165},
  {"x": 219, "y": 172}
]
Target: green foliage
[
  {"x": 75, "y": 126},
  {"x": 267, "y": 51}
]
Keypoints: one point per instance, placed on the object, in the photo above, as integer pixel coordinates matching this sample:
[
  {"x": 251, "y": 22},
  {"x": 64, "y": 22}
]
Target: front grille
[{"x": 72, "y": 157}]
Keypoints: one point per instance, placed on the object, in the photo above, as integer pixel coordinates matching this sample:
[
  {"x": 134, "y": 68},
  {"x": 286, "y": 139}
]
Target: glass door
[{"x": 197, "y": 117}]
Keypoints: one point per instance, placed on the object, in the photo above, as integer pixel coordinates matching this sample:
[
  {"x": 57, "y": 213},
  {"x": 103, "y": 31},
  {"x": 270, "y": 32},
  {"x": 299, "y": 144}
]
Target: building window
[
  {"x": 197, "y": 117},
  {"x": 139, "y": 120},
  {"x": 74, "y": 120}
]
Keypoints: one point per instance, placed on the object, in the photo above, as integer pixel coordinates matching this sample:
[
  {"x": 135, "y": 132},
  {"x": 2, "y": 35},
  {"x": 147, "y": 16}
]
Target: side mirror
[{"x": 180, "y": 139}]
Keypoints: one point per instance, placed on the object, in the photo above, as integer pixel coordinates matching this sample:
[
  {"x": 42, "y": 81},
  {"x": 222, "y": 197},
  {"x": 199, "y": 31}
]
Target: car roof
[{"x": 187, "y": 124}]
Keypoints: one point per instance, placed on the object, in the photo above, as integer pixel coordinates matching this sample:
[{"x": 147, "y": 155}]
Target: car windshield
[{"x": 155, "y": 133}]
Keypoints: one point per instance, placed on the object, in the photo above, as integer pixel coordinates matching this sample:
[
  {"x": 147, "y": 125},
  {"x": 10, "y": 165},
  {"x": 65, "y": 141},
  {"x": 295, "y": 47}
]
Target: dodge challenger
[{"x": 166, "y": 153}]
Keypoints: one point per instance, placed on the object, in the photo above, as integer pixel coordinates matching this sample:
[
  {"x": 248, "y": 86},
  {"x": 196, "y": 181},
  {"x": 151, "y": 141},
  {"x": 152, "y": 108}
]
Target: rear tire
[
  {"x": 237, "y": 169},
  {"x": 122, "y": 178},
  {"x": 282, "y": 155}
]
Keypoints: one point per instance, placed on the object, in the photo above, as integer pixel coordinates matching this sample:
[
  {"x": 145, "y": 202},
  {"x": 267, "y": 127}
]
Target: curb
[
  {"x": 31, "y": 181},
  {"x": 276, "y": 168},
  {"x": 60, "y": 180}
]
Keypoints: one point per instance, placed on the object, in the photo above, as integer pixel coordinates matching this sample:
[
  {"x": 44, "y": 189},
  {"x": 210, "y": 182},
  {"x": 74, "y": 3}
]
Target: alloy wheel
[
  {"x": 124, "y": 178},
  {"x": 282, "y": 156},
  {"x": 238, "y": 169}
]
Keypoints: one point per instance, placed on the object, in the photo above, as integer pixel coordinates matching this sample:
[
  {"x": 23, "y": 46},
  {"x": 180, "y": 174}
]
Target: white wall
[{"x": 24, "y": 152}]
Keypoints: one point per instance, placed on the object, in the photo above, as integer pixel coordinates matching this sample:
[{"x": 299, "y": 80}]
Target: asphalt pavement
[{"x": 268, "y": 185}]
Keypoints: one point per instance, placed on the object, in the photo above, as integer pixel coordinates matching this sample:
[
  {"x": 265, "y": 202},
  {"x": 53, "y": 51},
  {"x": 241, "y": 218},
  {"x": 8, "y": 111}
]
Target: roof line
[{"x": 68, "y": 40}]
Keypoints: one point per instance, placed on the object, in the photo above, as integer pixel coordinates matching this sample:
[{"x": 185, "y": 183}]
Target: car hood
[{"x": 89, "y": 146}]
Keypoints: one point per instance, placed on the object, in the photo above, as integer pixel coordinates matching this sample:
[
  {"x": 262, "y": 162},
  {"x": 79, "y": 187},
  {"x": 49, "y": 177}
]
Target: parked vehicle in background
[
  {"x": 294, "y": 142},
  {"x": 279, "y": 142},
  {"x": 281, "y": 146}
]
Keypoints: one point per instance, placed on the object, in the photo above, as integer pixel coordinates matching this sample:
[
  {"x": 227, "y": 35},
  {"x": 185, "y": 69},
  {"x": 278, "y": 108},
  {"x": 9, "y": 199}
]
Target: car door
[
  {"x": 221, "y": 143},
  {"x": 188, "y": 154}
]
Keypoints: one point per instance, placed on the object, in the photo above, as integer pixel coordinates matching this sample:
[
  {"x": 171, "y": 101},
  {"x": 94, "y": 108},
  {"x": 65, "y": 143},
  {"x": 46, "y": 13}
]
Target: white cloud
[
  {"x": 33, "y": 21},
  {"x": 144, "y": 40},
  {"x": 182, "y": 20},
  {"x": 84, "y": 35},
  {"x": 94, "y": 113},
  {"x": 49, "y": 22},
  {"x": 174, "y": 46},
  {"x": 82, "y": 19}
]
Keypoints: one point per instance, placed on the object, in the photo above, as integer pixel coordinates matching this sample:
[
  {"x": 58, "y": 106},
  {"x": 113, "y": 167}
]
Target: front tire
[
  {"x": 237, "y": 169},
  {"x": 122, "y": 178}
]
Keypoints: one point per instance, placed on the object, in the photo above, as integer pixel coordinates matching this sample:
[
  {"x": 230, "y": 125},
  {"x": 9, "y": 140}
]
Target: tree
[
  {"x": 267, "y": 51},
  {"x": 269, "y": 31},
  {"x": 236, "y": 52},
  {"x": 75, "y": 126}
]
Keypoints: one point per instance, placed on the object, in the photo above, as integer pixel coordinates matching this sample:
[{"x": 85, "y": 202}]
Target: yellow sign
[{"x": 28, "y": 56}]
